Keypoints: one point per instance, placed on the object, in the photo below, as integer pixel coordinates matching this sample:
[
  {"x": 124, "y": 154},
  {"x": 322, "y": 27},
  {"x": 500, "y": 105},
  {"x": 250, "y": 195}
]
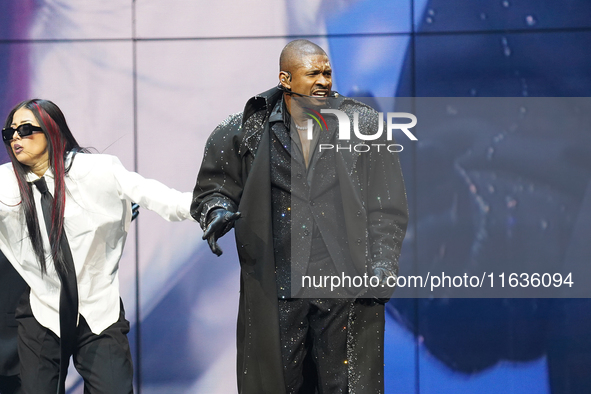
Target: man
[
  {"x": 301, "y": 211},
  {"x": 12, "y": 286}
]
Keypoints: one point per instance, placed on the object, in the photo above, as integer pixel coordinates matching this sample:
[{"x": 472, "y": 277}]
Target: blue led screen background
[{"x": 148, "y": 81}]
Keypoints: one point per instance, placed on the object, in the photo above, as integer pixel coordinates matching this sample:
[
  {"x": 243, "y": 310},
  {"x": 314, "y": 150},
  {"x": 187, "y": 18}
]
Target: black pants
[
  {"x": 103, "y": 361},
  {"x": 10, "y": 384},
  {"x": 313, "y": 334}
]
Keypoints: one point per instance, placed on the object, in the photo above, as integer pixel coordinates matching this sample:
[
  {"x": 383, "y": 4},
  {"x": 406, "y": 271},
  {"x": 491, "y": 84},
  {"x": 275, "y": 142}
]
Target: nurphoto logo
[{"x": 345, "y": 130}]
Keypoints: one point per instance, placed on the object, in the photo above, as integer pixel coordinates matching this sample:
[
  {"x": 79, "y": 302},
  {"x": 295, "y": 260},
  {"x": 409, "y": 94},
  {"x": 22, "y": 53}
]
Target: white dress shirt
[{"x": 99, "y": 192}]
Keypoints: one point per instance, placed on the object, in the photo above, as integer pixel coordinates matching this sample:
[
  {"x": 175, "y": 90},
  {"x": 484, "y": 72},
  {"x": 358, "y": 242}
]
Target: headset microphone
[{"x": 289, "y": 91}]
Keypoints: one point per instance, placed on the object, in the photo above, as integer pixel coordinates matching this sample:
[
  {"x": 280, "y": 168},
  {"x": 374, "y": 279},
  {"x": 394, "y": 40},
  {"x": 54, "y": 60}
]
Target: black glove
[
  {"x": 383, "y": 292},
  {"x": 220, "y": 221}
]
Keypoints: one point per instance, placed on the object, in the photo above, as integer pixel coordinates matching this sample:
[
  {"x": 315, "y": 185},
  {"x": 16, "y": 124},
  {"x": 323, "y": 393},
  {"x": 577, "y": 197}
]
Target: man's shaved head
[
  {"x": 304, "y": 71},
  {"x": 293, "y": 53}
]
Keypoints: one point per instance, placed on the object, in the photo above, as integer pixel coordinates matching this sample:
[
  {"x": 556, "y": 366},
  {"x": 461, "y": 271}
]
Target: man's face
[{"x": 313, "y": 77}]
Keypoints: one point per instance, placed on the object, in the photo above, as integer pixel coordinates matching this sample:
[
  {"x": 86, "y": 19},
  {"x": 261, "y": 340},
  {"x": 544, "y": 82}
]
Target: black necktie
[{"x": 69, "y": 290}]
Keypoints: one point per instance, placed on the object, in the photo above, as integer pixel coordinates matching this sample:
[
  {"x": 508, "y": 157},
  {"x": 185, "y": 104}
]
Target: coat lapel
[{"x": 256, "y": 112}]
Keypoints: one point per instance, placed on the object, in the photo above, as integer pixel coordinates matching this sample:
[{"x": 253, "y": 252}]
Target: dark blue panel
[
  {"x": 503, "y": 65},
  {"x": 457, "y": 15},
  {"x": 471, "y": 337}
]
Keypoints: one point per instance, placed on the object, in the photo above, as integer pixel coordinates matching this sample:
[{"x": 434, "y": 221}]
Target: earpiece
[
  {"x": 285, "y": 80},
  {"x": 288, "y": 76}
]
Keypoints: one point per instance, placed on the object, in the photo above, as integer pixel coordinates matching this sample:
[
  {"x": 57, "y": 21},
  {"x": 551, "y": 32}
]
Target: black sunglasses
[{"x": 23, "y": 130}]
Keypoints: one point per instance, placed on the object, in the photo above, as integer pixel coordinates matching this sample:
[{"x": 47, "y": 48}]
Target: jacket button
[
  {"x": 306, "y": 232},
  {"x": 358, "y": 241},
  {"x": 311, "y": 203},
  {"x": 299, "y": 176},
  {"x": 358, "y": 213}
]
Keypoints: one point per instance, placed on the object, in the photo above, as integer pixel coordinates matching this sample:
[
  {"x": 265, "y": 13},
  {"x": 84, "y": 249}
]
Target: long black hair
[{"x": 60, "y": 142}]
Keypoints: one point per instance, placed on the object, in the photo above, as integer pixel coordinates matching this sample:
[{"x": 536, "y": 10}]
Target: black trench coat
[{"x": 235, "y": 175}]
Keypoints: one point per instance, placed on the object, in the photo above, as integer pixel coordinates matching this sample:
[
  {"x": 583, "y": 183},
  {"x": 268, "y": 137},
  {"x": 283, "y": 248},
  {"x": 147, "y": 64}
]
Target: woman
[{"x": 63, "y": 222}]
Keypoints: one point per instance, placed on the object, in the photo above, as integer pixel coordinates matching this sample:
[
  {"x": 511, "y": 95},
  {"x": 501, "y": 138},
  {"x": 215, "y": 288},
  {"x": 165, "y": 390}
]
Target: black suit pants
[
  {"x": 313, "y": 334},
  {"x": 103, "y": 361}
]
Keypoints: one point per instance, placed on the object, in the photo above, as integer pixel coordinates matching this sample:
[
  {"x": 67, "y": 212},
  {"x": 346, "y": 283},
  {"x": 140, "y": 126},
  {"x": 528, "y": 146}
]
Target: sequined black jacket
[{"x": 235, "y": 175}]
